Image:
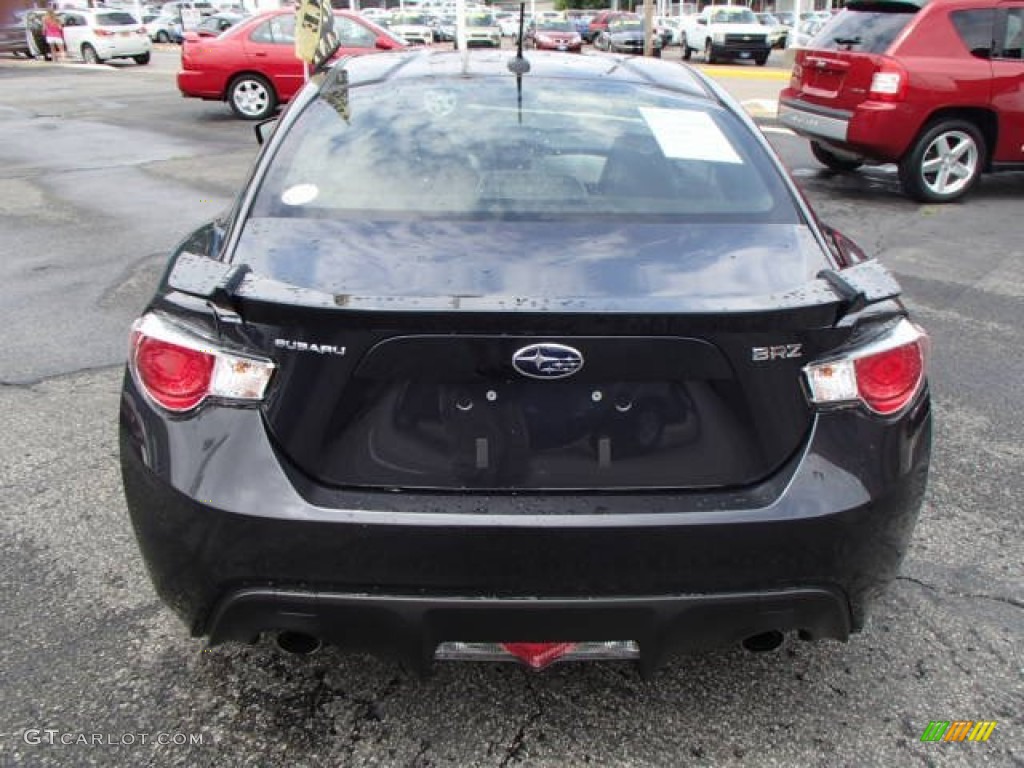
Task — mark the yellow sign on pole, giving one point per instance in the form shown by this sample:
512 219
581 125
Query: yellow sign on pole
315 39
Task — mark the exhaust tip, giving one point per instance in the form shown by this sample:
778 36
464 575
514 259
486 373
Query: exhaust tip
297 643
766 641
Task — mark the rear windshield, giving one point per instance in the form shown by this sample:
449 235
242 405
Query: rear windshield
866 28
114 19
465 148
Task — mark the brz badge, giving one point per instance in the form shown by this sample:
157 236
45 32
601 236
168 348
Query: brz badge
547 361
778 352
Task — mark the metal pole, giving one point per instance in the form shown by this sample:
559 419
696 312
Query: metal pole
648 28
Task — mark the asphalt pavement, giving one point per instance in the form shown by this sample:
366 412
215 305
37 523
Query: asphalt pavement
102 169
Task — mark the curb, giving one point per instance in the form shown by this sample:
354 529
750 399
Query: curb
744 73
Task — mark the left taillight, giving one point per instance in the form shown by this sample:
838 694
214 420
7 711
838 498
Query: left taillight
885 374
177 368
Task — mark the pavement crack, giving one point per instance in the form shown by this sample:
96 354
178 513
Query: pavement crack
953 593
28 384
516 746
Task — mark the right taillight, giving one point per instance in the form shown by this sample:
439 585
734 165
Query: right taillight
889 82
884 375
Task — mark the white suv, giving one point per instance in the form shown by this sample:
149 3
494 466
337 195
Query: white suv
95 35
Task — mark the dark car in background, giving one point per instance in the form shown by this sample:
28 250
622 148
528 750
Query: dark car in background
625 34
481 366
937 89
215 24
21 33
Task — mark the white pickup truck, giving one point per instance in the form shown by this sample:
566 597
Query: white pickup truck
726 32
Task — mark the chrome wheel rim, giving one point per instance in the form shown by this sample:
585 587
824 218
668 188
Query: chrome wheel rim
251 97
949 163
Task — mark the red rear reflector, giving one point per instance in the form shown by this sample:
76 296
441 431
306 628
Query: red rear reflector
888 380
176 377
538 655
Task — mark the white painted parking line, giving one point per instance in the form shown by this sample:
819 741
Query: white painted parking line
761 107
776 129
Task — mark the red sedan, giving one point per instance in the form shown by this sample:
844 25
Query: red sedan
253 65
554 35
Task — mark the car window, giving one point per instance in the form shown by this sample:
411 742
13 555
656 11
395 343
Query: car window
114 19
353 34
734 16
279 30
466 149
866 31
975 29
1013 35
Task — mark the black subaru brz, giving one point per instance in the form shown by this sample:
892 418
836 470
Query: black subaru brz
533 360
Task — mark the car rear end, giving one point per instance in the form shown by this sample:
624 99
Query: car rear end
861 86
525 396
118 34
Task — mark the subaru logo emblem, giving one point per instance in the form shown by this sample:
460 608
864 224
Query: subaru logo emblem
547 361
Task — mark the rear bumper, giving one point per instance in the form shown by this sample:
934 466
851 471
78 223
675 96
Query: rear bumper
740 50
411 628
877 131
117 48
201 85
237 542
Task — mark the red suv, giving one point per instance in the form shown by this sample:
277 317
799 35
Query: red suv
937 89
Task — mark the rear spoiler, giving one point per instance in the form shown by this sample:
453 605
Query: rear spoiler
886 6
850 290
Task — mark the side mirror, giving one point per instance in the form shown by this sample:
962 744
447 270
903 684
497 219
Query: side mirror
383 44
264 130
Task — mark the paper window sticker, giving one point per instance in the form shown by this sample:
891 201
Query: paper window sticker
686 134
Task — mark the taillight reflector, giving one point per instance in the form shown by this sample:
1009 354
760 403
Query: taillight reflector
178 369
889 83
884 375
176 377
886 381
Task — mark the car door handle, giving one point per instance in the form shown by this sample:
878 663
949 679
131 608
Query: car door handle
260 54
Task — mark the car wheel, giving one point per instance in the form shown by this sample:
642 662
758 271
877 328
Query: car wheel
89 55
830 160
251 97
142 58
709 53
687 50
761 60
944 163
163 37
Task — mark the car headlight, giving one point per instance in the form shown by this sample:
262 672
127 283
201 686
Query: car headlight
718 37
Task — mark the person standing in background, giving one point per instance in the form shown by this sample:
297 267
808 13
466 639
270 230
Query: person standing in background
54 36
